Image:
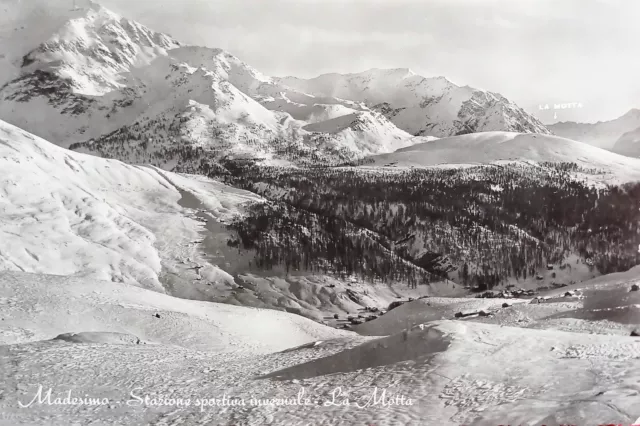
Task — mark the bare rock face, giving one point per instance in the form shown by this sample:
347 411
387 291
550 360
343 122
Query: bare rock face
635 332
635 287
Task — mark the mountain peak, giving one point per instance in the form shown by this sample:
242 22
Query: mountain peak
89 46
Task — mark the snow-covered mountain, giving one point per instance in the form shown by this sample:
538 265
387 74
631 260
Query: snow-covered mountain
628 144
86 76
63 81
603 134
490 147
267 90
97 73
184 107
423 106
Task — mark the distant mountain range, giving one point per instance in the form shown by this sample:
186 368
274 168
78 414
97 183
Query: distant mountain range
628 143
423 106
603 134
101 83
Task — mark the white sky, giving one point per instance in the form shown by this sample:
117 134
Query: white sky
531 51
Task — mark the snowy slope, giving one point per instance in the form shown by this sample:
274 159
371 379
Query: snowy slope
423 106
602 134
65 213
446 372
488 147
70 305
628 144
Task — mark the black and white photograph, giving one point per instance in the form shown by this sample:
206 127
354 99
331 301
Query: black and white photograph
319 212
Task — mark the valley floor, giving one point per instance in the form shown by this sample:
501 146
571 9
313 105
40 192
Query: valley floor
139 355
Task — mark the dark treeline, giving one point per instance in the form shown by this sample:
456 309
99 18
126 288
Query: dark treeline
307 242
491 222
281 234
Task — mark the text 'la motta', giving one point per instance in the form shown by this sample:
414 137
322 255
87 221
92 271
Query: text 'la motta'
561 106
